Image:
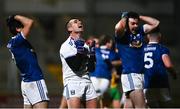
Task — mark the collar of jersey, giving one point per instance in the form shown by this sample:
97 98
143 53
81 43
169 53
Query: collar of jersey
153 42
103 47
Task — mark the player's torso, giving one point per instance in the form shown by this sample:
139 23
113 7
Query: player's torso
130 48
103 70
25 58
68 49
154 69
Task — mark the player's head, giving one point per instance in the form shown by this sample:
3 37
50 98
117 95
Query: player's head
75 28
14 25
133 22
154 35
106 40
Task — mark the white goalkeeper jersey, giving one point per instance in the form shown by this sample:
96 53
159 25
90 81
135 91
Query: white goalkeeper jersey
68 49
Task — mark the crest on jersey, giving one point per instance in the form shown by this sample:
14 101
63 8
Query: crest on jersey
72 92
135 40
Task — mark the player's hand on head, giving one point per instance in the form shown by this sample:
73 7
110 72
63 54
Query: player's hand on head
124 14
10 19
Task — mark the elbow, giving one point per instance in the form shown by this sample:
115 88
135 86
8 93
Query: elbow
157 23
31 22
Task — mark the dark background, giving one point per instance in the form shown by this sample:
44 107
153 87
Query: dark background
99 17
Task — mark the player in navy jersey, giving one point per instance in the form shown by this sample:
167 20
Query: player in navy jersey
105 59
33 87
129 35
156 64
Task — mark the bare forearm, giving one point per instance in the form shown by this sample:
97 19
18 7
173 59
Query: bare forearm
120 26
24 20
116 63
27 23
149 20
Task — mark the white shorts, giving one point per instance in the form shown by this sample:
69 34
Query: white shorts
81 89
100 84
157 95
132 81
34 92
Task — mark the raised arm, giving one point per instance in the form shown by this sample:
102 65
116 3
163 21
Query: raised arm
27 23
151 23
120 27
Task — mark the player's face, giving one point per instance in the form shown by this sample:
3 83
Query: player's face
109 44
77 29
97 42
133 25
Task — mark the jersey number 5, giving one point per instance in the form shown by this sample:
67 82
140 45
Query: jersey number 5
148 59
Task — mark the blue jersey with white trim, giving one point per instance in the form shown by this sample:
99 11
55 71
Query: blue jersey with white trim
25 58
130 50
103 69
155 74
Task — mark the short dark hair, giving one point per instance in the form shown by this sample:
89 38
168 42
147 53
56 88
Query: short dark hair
13 24
132 14
155 30
104 39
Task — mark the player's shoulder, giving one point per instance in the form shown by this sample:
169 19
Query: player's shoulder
66 44
164 49
161 46
67 47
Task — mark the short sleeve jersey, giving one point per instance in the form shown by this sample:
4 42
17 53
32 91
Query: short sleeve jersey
155 74
103 69
130 48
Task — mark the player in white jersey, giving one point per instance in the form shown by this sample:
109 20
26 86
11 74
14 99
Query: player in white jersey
77 60
33 86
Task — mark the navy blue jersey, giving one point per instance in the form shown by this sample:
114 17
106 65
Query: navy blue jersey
130 50
104 57
155 74
25 58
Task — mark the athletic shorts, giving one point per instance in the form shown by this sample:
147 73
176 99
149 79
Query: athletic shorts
81 89
101 85
34 92
132 81
157 95
115 93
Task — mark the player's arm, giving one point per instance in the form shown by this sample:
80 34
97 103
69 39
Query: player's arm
116 63
27 23
120 27
168 64
151 23
75 62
